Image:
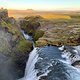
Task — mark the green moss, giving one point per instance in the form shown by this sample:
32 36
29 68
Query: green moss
33 18
30 24
38 34
11 28
76 16
24 46
41 42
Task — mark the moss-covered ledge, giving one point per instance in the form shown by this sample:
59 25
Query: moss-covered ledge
60 34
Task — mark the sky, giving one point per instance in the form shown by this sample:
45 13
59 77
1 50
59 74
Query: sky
50 5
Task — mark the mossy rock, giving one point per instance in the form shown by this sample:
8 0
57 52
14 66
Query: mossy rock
20 55
24 46
21 50
33 18
38 34
30 27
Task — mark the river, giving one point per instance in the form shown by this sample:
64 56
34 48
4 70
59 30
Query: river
51 63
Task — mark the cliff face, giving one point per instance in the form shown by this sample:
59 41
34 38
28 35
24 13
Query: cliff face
14 49
5 39
3 13
7 65
13 54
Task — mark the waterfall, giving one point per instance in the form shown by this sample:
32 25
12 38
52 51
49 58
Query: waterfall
28 37
50 63
30 72
47 64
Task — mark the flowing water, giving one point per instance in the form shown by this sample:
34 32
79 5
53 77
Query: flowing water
27 37
51 63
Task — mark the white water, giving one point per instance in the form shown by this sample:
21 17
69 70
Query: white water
67 55
78 49
27 36
30 71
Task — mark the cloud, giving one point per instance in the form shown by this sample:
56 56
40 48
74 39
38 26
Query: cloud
4 0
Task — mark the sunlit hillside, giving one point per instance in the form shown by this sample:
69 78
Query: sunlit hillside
30 12
55 16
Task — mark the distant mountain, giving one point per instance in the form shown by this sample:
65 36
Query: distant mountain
30 10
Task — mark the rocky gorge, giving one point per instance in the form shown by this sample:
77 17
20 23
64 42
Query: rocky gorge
15 49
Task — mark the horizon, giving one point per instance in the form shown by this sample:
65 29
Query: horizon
42 10
42 5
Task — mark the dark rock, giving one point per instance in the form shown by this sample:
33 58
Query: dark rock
76 63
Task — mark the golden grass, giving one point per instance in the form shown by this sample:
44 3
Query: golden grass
56 16
24 13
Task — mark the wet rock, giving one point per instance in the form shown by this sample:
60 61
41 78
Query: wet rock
72 55
76 63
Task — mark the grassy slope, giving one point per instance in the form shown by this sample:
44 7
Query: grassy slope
60 32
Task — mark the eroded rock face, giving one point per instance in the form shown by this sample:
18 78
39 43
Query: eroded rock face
5 39
7 65
3 13
13 54
12 44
